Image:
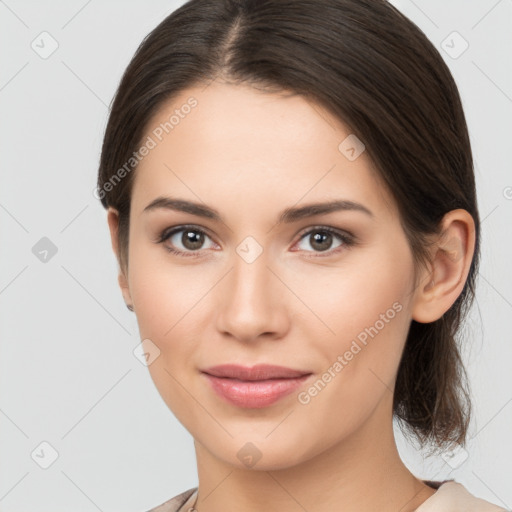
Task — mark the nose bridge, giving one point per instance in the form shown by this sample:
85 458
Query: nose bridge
250 277
252 303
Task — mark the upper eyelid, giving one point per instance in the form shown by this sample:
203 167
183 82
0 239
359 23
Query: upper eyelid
182 227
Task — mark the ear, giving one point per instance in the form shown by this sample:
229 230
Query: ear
113 224
452 253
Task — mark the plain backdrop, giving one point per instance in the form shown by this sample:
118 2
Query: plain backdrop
82 426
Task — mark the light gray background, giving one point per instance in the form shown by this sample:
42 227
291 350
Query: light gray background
67 372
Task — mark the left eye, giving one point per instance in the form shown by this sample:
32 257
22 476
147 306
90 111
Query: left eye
321 239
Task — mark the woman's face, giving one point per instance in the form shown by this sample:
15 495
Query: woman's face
255 286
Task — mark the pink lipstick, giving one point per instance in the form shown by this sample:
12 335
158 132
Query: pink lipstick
254 387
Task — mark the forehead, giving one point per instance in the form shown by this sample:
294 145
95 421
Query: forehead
223 142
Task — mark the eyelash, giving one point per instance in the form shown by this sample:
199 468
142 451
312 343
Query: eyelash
347 238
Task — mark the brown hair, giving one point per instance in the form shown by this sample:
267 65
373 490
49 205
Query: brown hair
379 74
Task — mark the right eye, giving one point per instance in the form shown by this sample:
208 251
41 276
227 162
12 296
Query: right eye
185 240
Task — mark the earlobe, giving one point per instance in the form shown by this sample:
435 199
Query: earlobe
125 290
113 224
451 256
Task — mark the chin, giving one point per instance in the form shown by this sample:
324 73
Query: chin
249 452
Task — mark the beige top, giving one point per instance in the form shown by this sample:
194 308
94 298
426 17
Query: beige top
450 496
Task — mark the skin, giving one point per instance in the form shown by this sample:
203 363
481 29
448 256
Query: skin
249 155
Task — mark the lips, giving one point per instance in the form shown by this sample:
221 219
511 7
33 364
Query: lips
258 372
254 387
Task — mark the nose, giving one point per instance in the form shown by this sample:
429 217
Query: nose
252 301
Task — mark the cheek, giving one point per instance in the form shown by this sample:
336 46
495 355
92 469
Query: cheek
169 301
161 304
362 318
366 293
359 361
164 293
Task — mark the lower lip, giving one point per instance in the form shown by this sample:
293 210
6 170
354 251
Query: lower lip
254 394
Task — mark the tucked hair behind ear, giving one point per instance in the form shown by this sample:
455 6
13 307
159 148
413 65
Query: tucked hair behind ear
379 74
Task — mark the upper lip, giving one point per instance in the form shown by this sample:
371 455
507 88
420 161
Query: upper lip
257 372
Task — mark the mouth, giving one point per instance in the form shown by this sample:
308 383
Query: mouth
254 387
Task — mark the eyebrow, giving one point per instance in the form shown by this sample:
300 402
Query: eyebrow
288 215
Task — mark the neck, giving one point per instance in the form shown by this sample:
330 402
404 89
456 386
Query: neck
364 472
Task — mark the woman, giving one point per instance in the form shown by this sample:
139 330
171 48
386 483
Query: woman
292 203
